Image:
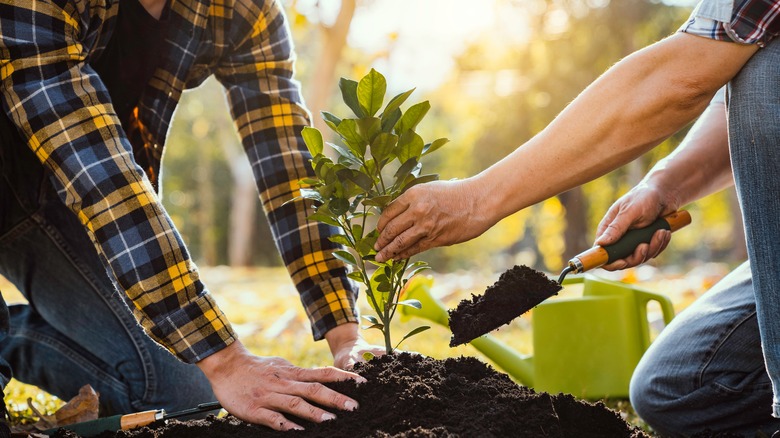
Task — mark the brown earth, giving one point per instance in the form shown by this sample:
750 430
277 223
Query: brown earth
411 395
517 291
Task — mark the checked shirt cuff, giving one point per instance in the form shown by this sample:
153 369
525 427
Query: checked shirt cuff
193 332
330 304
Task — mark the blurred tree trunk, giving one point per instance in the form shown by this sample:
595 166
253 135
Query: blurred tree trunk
334 39
576 234
207 209
243 205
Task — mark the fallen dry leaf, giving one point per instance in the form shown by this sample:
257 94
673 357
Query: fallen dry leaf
83 407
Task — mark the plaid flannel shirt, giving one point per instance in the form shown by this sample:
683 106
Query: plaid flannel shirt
740 21
108 177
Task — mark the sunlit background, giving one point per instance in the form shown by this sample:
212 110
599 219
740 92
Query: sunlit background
496 72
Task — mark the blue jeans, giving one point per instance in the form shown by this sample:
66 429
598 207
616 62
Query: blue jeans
77 328
707 368
754 127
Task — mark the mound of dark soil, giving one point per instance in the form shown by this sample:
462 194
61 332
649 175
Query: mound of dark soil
415 396
517 291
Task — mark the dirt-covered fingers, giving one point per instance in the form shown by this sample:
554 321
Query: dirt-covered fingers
273 419
404 245
321 395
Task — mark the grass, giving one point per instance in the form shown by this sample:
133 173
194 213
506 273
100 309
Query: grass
265 311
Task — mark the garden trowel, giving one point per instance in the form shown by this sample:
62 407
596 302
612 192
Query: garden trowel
130 421
521 288
603 255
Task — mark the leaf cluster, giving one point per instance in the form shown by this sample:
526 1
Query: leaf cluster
378 157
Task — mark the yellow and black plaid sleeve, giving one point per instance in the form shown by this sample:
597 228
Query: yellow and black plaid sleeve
63 110
268 110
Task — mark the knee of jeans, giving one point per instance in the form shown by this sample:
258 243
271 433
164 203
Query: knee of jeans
182 389
651 397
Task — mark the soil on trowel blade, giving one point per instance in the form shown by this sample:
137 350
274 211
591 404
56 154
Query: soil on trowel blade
517 291
411 395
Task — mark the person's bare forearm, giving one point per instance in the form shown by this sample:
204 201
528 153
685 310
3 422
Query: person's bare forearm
700 166
635 105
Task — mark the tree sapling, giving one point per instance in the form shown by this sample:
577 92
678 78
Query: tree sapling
379 158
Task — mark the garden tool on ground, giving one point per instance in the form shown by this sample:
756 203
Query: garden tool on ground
130 421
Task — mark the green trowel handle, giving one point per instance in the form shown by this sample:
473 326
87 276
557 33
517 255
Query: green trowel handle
633 238
602 255
92 428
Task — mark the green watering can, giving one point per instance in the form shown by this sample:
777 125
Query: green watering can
586 346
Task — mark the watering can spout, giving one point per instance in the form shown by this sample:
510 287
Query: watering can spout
517 365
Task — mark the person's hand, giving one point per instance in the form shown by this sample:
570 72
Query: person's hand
437 213
261 389
347 346
638 208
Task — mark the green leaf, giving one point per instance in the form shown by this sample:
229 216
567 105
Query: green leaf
349 94
396 103
378 201
410 145
367 355
339 206
412 117
411 303
343 152
331 120
380 327
357 231
313 139
421 180
362 180
365 248
309 181
369 128
371 92
348 130
431 147
416 331
388 122
324 218
382 146
345 256
311 194
357 276
405 169
371 318
340 239
416 271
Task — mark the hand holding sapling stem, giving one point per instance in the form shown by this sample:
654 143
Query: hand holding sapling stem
378 160
348 347
439 213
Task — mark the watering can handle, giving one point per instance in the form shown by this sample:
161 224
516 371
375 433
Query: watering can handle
643 298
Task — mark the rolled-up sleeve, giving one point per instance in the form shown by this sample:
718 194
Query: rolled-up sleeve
268 109
739 21
62 109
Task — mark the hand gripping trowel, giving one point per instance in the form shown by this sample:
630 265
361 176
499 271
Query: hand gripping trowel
521 288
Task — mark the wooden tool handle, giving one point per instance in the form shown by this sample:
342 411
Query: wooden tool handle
599 256
131 421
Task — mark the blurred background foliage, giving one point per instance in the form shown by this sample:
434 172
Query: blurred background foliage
496 73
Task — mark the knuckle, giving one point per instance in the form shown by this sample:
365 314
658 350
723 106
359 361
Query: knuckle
293 403
313 389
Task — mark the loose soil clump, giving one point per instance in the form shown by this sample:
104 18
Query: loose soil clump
517 291
414 396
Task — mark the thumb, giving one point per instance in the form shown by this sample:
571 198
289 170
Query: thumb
611 229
